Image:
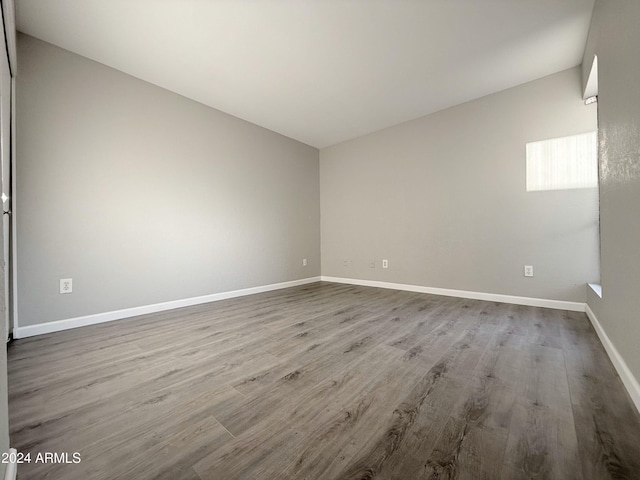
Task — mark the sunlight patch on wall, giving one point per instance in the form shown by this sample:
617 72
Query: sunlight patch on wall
563 163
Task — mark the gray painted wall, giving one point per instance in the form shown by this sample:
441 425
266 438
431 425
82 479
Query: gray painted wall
443 199
143 196
615 36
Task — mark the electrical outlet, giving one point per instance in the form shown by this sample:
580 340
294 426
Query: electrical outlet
385 263
346 262
528 270
304 262
66 285
372 264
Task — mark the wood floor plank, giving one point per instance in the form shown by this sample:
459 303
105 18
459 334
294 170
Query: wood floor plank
465 451
338 407
326 381
606 421
540 445
543 381
413 429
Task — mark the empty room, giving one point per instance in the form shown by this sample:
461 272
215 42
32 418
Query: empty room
306 239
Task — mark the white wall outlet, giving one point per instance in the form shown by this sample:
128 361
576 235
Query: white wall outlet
528 270
304 262
66 285
385 263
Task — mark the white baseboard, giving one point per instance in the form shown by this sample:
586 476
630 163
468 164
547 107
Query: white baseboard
491 297
66 324
630 382
12 467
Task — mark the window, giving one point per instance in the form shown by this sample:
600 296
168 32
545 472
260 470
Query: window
563 163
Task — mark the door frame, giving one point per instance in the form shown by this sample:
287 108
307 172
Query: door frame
10 40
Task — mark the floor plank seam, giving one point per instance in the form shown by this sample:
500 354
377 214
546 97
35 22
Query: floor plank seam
227 430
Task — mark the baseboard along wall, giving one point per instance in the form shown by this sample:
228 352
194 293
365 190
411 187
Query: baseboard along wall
69 323
628 379
490 297
66 324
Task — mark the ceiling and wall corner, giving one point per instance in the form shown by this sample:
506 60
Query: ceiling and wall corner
144 197
444 199
321 72
363 64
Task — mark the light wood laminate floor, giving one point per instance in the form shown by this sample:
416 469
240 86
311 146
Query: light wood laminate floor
326 381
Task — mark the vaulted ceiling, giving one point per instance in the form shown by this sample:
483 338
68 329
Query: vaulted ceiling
321 71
